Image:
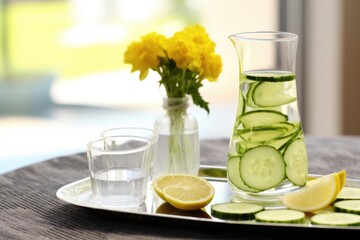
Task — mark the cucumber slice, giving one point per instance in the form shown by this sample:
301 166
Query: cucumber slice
241 105
274 94
336 219
261 118
242 146
280 143
262 167
288 127
249 99
235 146
284 144
348 206
261 135
280 216
236 211
296 162
234 175
348 193
274 76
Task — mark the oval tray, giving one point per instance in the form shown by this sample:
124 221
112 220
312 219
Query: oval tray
79 193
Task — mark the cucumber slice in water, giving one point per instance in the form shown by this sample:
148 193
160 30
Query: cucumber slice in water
261 135
264 134
234 175
284 141
262 168
280 143
262 117
289 127
278 135
280 216
249 99
240 110
348 206
336 219
273 94
242 146
274 76
241 105
236 211
296 162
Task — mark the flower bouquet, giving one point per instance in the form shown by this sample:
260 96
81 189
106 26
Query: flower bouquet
183 61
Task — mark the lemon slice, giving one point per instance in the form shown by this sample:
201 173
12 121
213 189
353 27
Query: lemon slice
317 195
183 191
166 180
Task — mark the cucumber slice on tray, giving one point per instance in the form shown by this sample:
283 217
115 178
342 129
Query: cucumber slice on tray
236 211
348 206
348 193
336 219
262 167
280 216
296 162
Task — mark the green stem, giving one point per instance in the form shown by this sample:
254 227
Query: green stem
177 151
184 80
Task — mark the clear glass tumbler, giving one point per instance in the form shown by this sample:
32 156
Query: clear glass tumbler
120 167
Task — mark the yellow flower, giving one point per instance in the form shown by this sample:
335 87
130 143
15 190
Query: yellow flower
145 54
184 53
212 67
182 61
188 48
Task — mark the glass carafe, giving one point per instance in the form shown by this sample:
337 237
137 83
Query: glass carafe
267 153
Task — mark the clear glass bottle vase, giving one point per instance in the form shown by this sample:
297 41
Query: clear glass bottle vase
178 148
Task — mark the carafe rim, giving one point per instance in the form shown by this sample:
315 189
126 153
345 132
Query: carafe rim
265 36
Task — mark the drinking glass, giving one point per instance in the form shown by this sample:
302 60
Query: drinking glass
120 167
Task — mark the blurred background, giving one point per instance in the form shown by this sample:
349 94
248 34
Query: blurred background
63 80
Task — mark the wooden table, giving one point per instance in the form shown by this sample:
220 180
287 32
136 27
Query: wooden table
29 208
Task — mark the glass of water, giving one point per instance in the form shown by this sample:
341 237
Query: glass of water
120 166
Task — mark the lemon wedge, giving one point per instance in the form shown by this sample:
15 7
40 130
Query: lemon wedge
316 195
342 178
183 191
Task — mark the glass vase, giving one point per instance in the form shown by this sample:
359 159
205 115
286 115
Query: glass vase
178 148
267 154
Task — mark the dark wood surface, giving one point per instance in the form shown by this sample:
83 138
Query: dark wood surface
29 208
